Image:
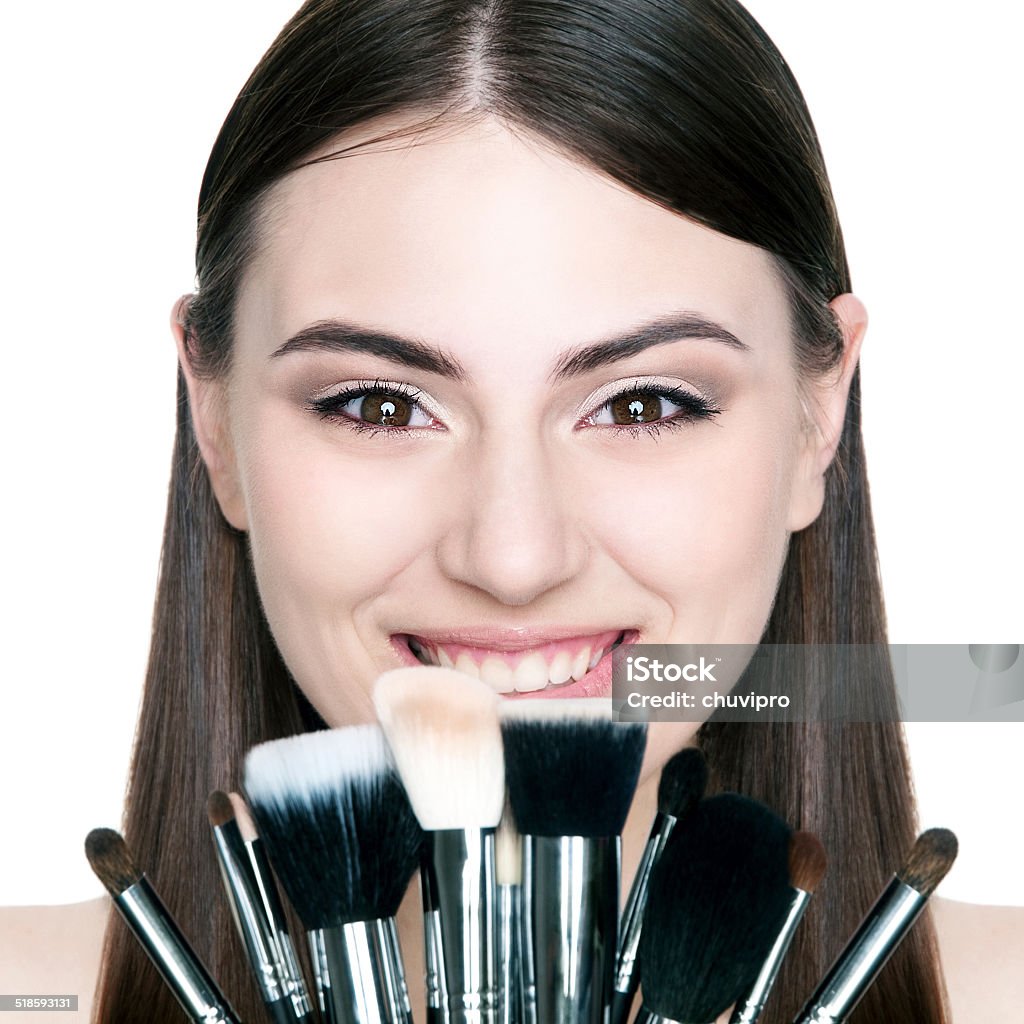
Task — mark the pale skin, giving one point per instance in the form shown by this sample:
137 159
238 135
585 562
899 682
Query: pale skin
506 255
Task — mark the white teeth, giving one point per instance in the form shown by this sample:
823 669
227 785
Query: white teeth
579 665
444 659
598 655
531 674
561 668
498 675
464 663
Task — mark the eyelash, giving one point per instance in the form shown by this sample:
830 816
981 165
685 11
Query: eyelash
692 407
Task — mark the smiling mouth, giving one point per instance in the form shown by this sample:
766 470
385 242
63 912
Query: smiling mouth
557 664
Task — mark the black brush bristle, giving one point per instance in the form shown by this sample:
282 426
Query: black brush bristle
336 823
570 776
718 896
682 783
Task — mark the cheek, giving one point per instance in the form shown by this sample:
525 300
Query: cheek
706 529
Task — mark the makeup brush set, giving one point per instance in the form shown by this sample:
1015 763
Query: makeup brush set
512 813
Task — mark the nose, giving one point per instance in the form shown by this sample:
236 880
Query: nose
514 532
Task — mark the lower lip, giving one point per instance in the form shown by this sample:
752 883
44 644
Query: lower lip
596 683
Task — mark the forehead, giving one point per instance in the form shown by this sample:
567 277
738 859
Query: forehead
482 232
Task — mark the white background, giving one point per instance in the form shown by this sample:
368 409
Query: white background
109 111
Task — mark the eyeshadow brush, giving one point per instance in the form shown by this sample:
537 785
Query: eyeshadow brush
442 726
156 931
344 844
718 897
509 873
571 774
681 785
882 930
807 864
257 912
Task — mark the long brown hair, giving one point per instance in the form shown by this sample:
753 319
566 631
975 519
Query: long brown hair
688 103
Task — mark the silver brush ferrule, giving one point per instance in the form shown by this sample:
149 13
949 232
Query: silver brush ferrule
627 977
570 919
645 1016
181 969
358 978
750 1008
510 979
458 876
881 931
268 947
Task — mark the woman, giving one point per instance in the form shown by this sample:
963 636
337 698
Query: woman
519 331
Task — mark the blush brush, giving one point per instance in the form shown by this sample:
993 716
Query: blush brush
882 930
681 785
571 774
156 931
257 912
807 864
443 729
344 843
717 900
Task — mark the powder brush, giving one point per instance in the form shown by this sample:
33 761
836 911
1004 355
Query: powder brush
718 897
442 726
344 843
571 772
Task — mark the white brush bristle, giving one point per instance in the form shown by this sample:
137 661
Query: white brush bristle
540 709
312 764
443 730
508 851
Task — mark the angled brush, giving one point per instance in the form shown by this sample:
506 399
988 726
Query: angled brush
883 929
718 897
807 864
257 912
571 775
681 785
442 726
157 932
344 843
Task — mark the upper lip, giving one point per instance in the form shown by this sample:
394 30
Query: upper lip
497 638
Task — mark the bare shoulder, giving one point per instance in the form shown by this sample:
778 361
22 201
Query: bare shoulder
52 950
982 949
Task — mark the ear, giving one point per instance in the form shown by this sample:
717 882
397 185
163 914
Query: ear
207 398
824 401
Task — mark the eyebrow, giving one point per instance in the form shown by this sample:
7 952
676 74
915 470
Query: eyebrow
336 335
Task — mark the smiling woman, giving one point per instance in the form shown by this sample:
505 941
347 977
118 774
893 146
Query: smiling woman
522 331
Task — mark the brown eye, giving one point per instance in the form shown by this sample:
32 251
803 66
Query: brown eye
635 407
385 409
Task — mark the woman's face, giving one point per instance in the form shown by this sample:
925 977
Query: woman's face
452 417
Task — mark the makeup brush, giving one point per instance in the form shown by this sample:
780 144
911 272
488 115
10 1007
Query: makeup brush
158 934
807 864
681 785
717 899
571 774
344 844
442 726
882 930
257 912
509 871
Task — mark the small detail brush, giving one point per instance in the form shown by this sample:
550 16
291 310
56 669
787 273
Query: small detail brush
442 726
882 930
158 934
681 785
571 773
807 864
257 912
344 844
509 870
717 899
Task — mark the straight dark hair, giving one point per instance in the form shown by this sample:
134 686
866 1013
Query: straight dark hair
687 103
